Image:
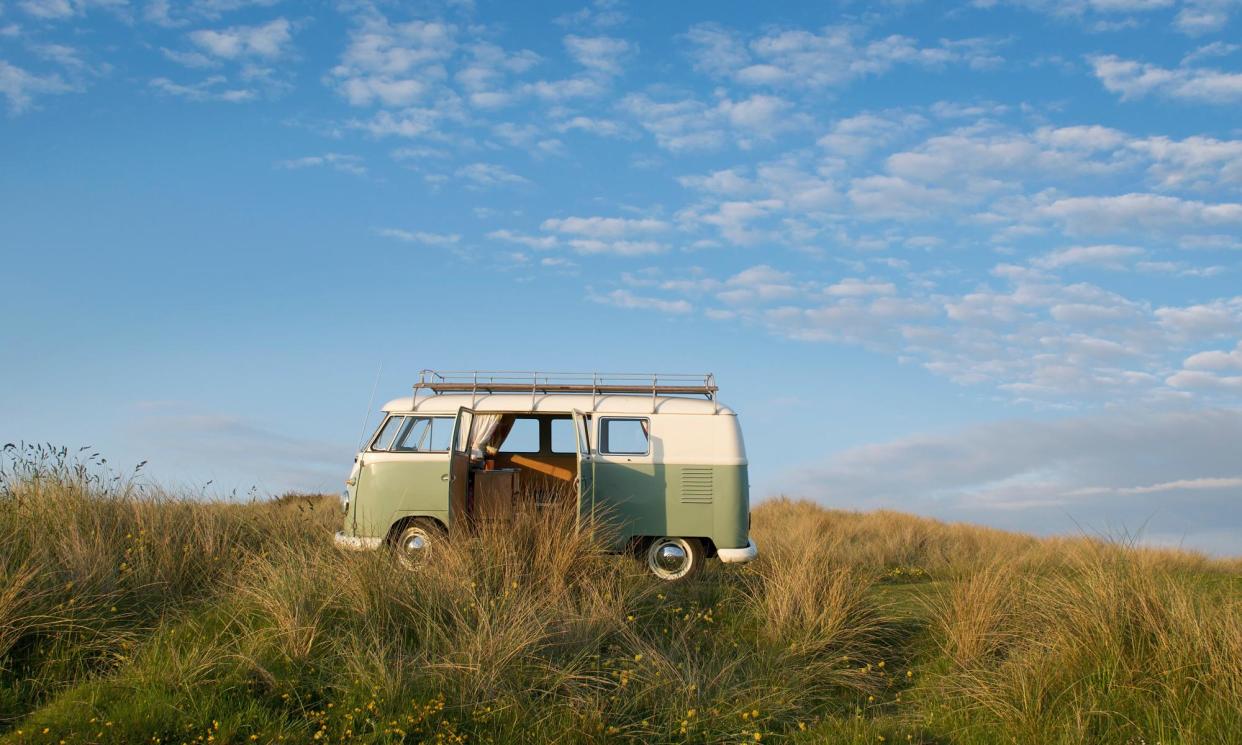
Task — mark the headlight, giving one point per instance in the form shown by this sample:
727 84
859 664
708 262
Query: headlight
345 501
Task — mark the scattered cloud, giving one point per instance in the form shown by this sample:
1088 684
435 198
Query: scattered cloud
351 164
419 236
610 235
831 57
1133 80
489 175
1104 256
267 41
628 300
20 88
601 54
214 88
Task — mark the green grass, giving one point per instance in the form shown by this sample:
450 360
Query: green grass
130 615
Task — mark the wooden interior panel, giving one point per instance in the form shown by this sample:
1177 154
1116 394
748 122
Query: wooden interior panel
560 467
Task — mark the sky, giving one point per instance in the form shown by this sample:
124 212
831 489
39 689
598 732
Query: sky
974 260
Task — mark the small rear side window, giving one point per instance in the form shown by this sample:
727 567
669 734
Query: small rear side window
624 436
387 433
563 437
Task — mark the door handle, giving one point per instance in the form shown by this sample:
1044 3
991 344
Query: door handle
444 477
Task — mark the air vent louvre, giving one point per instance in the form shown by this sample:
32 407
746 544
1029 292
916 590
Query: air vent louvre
696 485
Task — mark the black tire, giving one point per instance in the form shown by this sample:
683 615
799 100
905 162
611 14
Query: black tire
675 559
414 541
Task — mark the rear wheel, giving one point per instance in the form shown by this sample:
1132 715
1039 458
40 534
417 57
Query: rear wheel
675 559
416 541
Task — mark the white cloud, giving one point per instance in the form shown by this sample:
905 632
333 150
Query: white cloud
214 88
393 64
1196 379
628 300
196 60
1198 163
1217 318
893 197
1134 80
1107 256
1140 212
20 88
600 54
268 41
678 126
1204 16
490 175
595 126
538 242
831 57
55 10
419 236
166 13
486 77
612 235
605 228
854 287
351 164
858 135
1216 360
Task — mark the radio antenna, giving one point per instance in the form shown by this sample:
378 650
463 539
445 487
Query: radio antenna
366 415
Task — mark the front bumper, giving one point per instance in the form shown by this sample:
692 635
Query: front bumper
738 555
354 543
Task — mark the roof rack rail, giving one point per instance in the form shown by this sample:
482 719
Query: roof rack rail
597 384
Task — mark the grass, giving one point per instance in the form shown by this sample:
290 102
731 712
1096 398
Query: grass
131 615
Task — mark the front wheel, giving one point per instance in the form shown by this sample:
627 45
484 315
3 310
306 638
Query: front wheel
416 541
676 559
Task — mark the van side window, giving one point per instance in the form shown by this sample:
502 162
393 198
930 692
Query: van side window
523 437
623 436
426 434
563 437
387 433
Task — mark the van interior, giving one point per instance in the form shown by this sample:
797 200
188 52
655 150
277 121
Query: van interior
519 461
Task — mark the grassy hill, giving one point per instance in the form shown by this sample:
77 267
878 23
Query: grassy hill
131 615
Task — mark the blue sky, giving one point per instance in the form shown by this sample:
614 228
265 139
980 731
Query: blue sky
976 260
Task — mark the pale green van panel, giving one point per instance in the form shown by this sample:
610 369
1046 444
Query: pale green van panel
693 501
391 489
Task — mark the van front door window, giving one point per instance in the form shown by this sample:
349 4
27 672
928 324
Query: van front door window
623 436
426 434
388 433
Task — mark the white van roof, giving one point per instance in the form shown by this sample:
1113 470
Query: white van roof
559 403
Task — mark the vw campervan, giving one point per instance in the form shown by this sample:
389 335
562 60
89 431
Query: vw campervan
658 456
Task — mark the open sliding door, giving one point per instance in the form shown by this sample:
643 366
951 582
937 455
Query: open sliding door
459 468
585 470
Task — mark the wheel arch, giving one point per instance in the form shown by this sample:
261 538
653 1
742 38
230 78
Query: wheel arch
405 521
638 544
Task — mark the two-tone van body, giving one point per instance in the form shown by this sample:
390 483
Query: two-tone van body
665 468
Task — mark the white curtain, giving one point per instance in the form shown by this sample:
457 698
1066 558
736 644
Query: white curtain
484 427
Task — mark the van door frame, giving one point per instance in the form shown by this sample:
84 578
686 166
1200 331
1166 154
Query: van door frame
459 469
586 468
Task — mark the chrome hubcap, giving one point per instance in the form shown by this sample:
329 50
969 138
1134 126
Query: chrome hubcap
669 558
415 545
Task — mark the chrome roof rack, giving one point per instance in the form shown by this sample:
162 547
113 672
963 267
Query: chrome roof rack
597 384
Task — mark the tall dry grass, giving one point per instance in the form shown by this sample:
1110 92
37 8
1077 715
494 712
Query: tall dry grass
127 613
